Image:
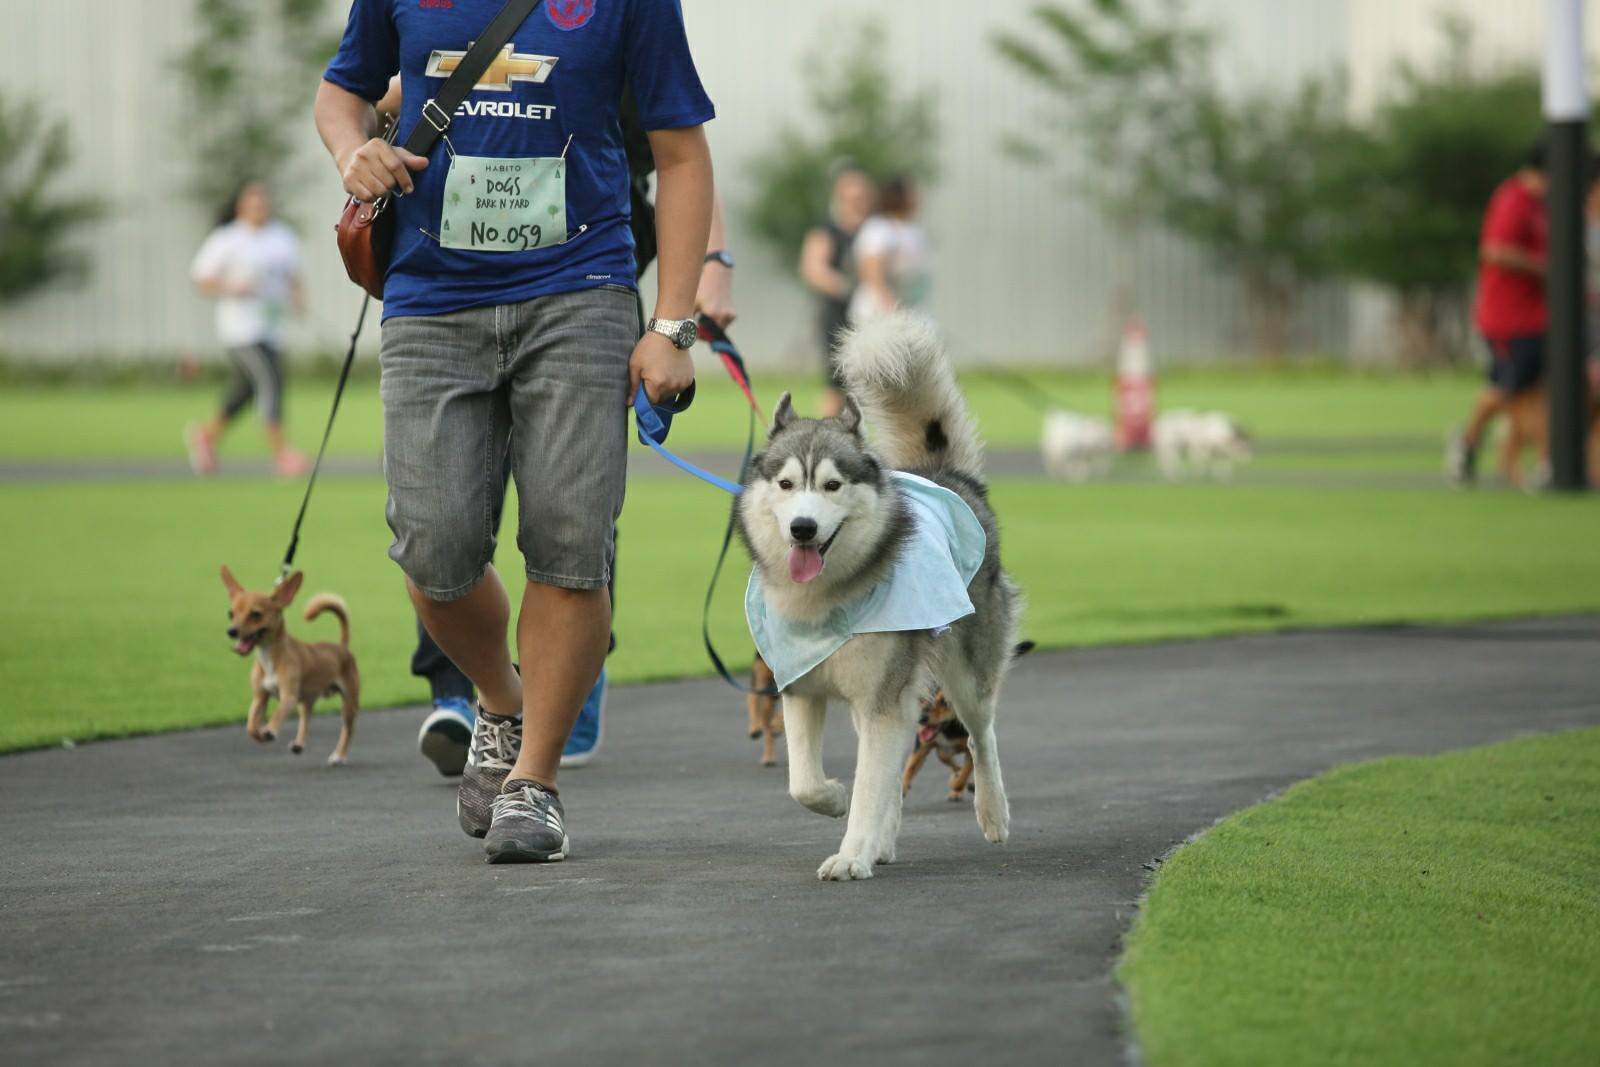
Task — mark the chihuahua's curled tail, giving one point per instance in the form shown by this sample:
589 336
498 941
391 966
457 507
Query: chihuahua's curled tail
329 602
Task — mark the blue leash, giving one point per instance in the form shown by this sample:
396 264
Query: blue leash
653 422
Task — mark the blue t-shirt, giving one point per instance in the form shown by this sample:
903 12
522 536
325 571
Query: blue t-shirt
569 62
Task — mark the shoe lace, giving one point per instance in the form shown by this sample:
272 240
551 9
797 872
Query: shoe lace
494 743
530 802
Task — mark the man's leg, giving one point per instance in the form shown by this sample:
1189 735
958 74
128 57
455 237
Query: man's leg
471 630
562 636
568 388
1461 453
1491 401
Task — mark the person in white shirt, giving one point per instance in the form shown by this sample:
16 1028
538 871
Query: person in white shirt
251 265
893 261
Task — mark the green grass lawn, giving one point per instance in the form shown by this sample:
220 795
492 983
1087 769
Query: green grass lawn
113 620
1408 911
66 424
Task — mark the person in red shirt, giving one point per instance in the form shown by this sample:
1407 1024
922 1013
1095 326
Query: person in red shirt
1510 309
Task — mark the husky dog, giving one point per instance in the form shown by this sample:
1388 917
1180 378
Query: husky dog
829 526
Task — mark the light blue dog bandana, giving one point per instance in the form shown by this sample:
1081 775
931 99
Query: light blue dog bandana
927 590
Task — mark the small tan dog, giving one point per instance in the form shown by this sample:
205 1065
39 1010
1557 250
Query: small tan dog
297 673
940 732
766 718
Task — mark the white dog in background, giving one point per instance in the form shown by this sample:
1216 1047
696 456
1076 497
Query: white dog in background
1206 444
1076 447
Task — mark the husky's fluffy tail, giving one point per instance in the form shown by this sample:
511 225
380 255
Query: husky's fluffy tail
329 602
898 372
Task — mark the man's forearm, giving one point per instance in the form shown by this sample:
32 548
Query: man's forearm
717 236
1512 258
344 121
683 217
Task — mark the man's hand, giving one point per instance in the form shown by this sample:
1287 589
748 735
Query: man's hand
714 298
376 168
665 369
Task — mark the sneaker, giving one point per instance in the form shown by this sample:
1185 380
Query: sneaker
446 733
528 826
290 464
584 740
202 448
495 743
1460 460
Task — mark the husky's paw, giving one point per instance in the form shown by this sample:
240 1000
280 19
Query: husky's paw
337 760
842 868
995 819
886 852
831 799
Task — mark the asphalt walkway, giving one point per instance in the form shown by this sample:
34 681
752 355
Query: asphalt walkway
1311 458
195 898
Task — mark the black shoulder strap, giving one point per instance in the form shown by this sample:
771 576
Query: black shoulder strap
436 113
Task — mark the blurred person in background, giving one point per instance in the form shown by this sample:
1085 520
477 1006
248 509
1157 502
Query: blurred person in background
1510 312
827 267
893 259
250 264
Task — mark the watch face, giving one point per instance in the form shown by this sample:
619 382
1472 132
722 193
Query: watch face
686 334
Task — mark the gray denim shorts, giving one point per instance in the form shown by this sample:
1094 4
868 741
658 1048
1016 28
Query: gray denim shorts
546 379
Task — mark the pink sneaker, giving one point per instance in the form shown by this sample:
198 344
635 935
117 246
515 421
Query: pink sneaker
202 448
290 464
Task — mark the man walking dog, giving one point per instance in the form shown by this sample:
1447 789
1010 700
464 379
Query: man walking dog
537 344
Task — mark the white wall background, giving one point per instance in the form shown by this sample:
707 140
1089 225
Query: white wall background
1022 269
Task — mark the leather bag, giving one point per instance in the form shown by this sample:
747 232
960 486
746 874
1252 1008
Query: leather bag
366 231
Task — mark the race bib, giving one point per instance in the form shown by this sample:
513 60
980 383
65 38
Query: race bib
504 205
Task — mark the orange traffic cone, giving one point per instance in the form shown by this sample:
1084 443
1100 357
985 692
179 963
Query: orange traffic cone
1135 389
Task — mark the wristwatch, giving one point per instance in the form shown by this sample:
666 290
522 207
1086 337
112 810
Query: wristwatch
681 332
722 256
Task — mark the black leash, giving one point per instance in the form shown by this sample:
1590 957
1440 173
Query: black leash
338 393
724 347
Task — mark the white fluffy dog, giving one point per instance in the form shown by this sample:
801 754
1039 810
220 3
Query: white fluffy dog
1076 447
1203 443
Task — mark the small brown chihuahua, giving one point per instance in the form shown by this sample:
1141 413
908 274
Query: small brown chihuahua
939 731
766 717
296 672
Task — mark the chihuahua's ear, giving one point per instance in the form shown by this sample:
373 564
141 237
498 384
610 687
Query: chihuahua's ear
232 583
286 590
784 414
849 417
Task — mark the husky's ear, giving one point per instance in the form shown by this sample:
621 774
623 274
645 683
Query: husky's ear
849 417
284 594
784 414
232 583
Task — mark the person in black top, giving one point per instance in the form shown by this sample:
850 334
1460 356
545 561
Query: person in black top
828 270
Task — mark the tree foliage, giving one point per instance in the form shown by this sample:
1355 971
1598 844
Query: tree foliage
1144 127
1429 158
249 75
37 219
1118 72
859 118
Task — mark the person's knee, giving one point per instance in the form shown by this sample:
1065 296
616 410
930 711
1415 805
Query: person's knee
441 563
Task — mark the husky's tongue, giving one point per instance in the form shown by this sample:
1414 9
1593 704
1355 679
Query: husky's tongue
805 563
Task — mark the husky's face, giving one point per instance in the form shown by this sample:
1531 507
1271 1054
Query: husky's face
813 489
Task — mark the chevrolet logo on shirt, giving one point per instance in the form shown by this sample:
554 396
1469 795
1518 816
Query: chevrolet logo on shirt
507 67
